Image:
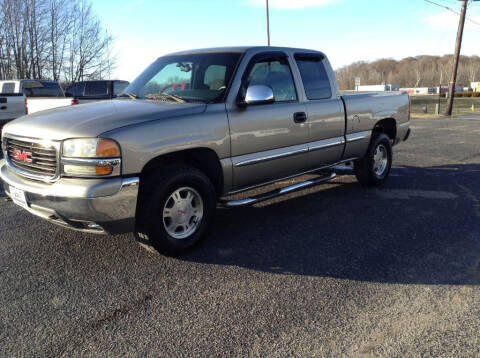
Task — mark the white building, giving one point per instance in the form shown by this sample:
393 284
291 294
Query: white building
378 88
422 91
475 86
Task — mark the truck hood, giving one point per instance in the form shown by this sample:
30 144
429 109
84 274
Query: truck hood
93 119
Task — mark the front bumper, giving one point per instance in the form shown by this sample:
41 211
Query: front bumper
90 205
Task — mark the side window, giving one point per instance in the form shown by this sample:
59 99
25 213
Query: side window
314 77
215 77
75 90
8 87
119 87
276 74
96 88
42 89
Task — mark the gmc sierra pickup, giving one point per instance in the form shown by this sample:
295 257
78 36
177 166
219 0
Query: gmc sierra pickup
159 159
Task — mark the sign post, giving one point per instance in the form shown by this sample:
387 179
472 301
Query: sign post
357 83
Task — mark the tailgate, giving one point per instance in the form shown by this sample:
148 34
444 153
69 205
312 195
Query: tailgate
42 104
11 107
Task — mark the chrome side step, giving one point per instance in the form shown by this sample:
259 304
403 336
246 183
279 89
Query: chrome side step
277 192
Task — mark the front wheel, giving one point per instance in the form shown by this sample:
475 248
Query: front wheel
178 207
374 168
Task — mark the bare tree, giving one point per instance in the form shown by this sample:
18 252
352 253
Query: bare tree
88 51
58 39
423 71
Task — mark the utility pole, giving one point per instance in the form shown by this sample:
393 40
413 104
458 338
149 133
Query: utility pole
453 81
268 24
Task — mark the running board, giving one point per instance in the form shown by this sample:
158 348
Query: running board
277 192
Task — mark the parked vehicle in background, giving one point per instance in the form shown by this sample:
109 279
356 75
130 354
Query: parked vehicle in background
20 97
90 91
158 163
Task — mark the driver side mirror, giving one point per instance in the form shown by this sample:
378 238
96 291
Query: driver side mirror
259 94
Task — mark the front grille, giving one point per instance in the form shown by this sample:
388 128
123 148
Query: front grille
43 164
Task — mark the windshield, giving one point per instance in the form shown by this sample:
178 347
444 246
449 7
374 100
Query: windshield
186 78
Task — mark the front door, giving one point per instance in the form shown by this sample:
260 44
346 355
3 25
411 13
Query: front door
268 141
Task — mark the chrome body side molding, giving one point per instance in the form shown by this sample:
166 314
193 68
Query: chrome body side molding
326 143
271 157
353 137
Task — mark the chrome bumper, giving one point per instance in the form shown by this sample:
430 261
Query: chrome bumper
91 205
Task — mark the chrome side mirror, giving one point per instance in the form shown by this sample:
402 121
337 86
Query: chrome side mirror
259 94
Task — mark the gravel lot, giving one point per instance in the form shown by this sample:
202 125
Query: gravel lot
334 271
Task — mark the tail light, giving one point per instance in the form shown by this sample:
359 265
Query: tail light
409 107
26 106
74 102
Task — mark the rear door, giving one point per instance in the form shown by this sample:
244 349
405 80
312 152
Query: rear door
266 141
326 117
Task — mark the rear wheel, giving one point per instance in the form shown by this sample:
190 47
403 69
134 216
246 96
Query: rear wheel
374 168
177 209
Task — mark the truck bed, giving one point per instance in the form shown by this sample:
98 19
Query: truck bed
363 110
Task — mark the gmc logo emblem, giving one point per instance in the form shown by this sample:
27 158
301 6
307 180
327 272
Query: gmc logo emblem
22 155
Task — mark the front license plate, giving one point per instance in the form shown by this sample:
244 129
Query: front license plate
18 197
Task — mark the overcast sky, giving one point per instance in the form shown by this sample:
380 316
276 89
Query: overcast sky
346 30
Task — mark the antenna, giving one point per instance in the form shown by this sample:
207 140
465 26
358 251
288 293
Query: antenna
268 23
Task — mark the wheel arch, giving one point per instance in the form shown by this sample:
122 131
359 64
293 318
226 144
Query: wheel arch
387 126
203 159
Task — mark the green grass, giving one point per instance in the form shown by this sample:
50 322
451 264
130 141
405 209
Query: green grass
461 105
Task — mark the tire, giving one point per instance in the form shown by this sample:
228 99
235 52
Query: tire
374 168
177 208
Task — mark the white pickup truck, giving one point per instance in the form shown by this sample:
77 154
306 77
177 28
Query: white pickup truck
20 97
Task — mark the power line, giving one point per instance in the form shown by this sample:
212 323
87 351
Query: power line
452 10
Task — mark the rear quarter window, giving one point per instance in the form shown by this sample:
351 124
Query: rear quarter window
315 78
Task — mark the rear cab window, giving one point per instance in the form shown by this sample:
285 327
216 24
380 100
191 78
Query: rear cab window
33 89
314 76
215 77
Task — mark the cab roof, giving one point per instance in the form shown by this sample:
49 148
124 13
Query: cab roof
244 49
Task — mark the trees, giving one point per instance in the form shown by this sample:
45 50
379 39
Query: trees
419 71
55 39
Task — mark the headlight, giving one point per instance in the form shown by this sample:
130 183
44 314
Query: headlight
91 157
90 148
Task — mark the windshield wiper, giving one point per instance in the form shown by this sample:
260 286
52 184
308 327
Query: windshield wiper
166 96
130 95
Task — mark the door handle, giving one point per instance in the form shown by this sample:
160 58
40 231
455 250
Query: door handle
299 117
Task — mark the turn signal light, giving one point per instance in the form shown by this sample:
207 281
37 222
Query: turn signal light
103 170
